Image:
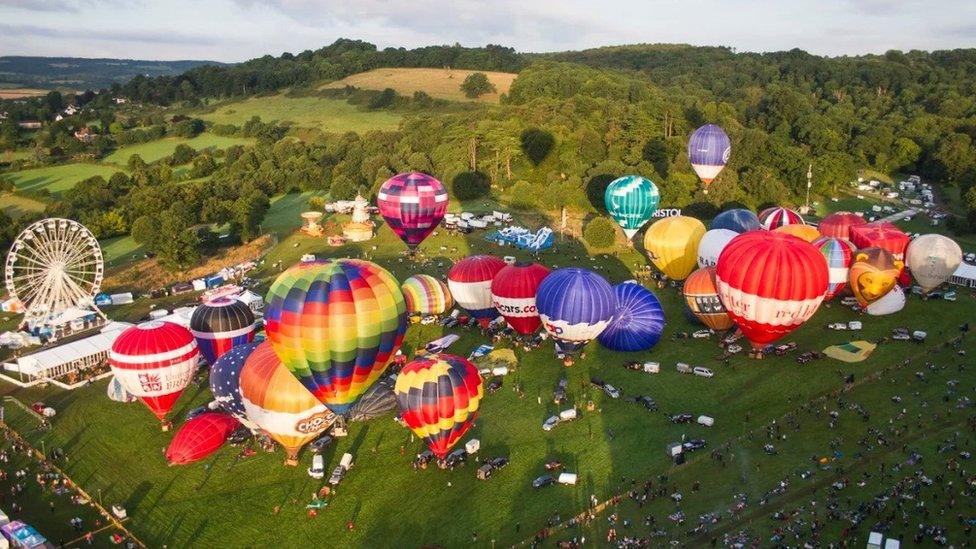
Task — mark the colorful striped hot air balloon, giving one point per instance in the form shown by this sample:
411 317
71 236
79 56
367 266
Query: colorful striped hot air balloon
638 323
771 218
932 259
838 225
881 235
200 437
336 324
277 403
438 397
839 254
221 324
803 232
513 293
575 305
672 244
701 295
470 284
709 149
770 284
738 219
712 244
426 295
631 201
225 381
412 205
874 272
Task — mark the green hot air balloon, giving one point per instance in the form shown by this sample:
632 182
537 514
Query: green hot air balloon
631 201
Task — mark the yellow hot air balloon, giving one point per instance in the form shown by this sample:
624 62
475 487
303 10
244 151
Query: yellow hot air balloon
806 232
873 274
672 244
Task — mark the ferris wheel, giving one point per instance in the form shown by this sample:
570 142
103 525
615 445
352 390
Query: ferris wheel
54 264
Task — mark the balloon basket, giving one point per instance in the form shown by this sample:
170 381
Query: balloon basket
756 354
291 462
165 426
568 362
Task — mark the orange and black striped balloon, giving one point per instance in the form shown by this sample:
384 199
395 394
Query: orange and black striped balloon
438 396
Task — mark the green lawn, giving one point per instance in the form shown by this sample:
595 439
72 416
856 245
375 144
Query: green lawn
283 216
330 115
120 250
154 150
10 156
57 179
16 206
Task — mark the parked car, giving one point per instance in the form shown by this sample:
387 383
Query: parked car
550 423
494 385
693 444
337 475
807 357
611 391
647 402
702 334
317 470
320 444
597 381
498 462
38 407
559 394
544 480
784 348
455 458
554 465
684 368
703 372
428 319
949 296
681 418
423 458
239 436
733 349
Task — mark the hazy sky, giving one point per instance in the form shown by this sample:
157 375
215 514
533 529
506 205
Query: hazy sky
235 30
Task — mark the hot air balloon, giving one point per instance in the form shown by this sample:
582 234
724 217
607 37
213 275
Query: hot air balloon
933 258
575 306
638 323
412 205
838 225
426 295
470 284
701 296
513 295
438 398
336 324
803 232
378 400
770 284
839 254
712 244
225 381
200 437
891 303
881 235
770 218
873 274
117 393
672 244
738 219
220 324
631 200
708 151
155 361
277 403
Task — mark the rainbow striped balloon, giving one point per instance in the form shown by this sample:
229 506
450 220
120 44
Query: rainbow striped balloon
426 295
335 324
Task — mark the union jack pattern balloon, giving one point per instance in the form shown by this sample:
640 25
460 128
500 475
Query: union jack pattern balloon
575 306
155 361
225 381
438 397
513 293
839 254
412 205
638 323
709 149
200 437
470 283
770 284
838 225
771 218
221 324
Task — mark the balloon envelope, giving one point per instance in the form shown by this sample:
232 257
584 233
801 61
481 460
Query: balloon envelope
631 200
638 323
672 244
712 244
470 284
881 235
701 296
200 437
336 324
932 259
873 274
838 225
426 295
117 393
709 149
225 381
412 205
575 306
220 324
804 232
839 254
771 218
438 397
513 294
738 219
892 302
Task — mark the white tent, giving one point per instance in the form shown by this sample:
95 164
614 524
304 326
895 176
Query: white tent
180 315
965 275
252 300
60 360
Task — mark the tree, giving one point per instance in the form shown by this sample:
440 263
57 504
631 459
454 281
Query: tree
178 247
476 85
248 212
316 203
600 232
145 231
182 154
522 195
384 100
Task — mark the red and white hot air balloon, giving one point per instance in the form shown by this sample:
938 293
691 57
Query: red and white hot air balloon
155 361
838 225
771 218
513 294
770 284
470 283
839 254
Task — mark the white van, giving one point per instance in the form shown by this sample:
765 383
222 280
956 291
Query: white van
317 470
703 372
346 461
652 367
567 415
854 325
707 421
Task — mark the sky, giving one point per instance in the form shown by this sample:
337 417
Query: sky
236 30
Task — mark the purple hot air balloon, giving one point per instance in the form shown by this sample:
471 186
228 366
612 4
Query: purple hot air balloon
575 306
412 205
708 151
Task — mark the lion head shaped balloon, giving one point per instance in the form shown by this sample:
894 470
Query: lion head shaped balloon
873 274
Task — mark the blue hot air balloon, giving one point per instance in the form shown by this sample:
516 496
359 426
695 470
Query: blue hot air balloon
575 306
638 322
225 377
739 220
708 151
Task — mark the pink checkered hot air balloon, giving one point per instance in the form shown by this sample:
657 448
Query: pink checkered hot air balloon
412 205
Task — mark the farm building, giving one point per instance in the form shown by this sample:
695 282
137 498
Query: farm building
965 275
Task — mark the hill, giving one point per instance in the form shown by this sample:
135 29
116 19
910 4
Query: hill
81 73
438 83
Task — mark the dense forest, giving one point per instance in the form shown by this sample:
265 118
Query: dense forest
80 73
570 123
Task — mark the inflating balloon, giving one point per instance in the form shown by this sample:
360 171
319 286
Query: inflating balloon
672 244
200 437
470 284
932 259
117 393
771 218
221 324
881 235
838 225
839 254
336 324
770 284
513 294
873 274
738 219
804 232
438 397
892 302
225 381
575 306
412 205
631 200
638 322
426 295
712 244
701 296
709 149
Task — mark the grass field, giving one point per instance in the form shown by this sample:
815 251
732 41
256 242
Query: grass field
56 179
16 206
154 150
438 83
120 250
21 93
329 115
10 156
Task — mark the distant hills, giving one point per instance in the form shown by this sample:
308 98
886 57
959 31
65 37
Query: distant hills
79 73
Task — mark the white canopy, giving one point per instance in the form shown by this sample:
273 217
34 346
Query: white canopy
37 364
965 275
